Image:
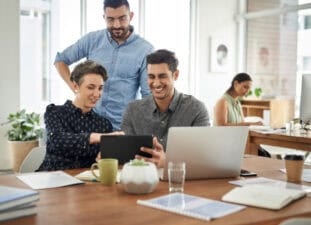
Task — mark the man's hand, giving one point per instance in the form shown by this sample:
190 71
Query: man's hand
158 154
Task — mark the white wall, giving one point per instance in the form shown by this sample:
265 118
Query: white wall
216 22
9 64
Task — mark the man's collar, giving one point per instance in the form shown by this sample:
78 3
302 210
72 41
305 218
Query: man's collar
173 104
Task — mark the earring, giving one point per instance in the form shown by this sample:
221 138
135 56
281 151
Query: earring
76 91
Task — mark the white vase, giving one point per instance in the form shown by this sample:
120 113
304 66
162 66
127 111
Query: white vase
140 179
19 150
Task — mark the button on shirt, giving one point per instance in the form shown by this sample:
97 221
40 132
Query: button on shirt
68 133
142 117
125 64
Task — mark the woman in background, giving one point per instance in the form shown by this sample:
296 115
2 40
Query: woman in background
228 110
74 129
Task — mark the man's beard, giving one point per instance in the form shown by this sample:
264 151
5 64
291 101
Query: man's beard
122 33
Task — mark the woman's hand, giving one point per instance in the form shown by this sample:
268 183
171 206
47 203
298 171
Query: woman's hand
95 137
158 154
116 133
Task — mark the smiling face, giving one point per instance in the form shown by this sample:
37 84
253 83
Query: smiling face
161 81
242 88
118 22
89 91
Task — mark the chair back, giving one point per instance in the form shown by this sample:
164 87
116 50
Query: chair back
33 160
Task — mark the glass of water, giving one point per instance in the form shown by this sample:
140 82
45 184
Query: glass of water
176 176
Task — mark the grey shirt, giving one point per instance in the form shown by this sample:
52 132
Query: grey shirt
142 117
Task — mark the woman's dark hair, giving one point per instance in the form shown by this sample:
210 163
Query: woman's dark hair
85 68
240 77
116 4
163 56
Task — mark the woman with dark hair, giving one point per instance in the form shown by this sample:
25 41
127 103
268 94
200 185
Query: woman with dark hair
74 129
228 110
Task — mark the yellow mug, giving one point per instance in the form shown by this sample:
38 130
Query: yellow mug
108 169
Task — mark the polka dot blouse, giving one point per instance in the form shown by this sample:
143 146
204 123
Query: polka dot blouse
68 133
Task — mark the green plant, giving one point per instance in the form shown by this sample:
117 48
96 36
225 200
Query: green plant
138 162
257 92
24 126
249 93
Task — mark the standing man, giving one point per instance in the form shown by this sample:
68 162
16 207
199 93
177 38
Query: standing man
121 52
166 108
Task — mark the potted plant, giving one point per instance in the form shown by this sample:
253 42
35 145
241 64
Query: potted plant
139 177
23 135
257 92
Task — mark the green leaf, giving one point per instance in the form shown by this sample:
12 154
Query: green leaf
258 92
250 92
24 126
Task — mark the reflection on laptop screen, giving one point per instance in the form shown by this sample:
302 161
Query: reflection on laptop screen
209 152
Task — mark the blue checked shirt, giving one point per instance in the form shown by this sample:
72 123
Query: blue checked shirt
125 64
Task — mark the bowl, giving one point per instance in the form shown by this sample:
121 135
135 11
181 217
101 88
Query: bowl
139 178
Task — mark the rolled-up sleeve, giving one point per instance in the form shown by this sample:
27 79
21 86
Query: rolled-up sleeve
74 52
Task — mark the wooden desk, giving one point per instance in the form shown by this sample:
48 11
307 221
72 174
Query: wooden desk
281 110
293 140
93 203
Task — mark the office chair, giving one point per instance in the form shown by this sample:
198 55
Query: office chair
33 160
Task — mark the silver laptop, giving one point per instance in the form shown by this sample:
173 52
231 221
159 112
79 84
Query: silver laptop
209 152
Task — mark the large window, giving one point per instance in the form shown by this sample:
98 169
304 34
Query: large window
35 24
272 51
278 47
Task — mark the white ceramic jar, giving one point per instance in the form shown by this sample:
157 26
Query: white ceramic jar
139 177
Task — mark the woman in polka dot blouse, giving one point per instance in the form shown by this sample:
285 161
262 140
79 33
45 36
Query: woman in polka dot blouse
74 129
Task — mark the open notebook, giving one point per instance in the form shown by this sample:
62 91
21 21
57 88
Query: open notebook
263 196
192 206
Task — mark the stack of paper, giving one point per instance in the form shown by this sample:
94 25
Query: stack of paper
43 180
17 202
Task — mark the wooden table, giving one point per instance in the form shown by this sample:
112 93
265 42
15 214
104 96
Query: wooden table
292 140
94 203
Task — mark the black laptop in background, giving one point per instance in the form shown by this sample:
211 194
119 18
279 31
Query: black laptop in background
124 147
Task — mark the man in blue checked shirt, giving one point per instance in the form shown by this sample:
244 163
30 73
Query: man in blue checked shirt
121 52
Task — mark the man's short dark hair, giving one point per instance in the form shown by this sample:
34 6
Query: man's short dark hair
163 56
116 3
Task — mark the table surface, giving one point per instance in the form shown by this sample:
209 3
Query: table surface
94 203
294 140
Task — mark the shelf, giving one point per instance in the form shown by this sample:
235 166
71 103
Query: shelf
281 111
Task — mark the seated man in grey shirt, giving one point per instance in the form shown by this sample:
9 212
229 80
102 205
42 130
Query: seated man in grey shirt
154 115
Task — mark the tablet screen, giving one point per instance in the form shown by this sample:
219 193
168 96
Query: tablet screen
124 147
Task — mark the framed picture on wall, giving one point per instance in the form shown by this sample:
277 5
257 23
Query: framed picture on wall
219 54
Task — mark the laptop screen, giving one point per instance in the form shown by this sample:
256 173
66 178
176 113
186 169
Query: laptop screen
209 152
